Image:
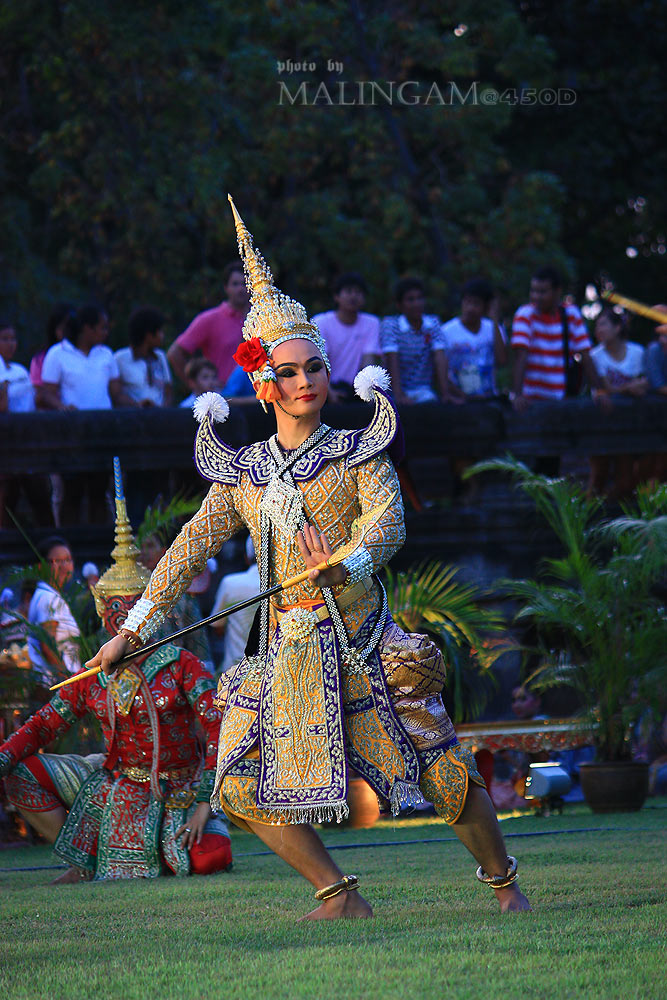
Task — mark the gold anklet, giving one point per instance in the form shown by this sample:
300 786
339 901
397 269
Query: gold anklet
346 884
500 881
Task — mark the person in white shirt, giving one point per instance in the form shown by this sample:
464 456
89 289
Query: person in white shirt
474 344
16 392
236 587
620 364
143 368
50 611
56 329
80 373
17 396
352 337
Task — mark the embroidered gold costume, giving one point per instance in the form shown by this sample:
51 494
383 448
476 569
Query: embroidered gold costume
332 682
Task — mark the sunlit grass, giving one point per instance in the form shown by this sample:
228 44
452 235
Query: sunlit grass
599 905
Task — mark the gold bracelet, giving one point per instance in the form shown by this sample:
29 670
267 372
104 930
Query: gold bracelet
347 884
131 637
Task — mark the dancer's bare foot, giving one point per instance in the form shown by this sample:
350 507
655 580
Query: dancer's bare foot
512 900
345 904
71 877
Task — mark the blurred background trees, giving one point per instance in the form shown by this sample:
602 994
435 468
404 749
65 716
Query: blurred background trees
124 125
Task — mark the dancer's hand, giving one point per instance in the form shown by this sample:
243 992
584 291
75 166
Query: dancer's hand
193 829
315 548
108 655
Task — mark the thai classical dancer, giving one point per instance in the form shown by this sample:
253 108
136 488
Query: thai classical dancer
330 685
143 807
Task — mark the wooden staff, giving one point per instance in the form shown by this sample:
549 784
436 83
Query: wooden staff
360 529
657 315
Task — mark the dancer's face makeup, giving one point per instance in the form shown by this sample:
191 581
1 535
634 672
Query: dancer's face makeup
302 376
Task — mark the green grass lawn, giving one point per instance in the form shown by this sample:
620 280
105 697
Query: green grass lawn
598 928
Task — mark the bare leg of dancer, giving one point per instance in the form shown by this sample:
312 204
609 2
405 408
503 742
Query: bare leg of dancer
46 824
479 831
303 850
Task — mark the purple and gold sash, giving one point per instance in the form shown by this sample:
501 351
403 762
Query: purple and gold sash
306 713
303 772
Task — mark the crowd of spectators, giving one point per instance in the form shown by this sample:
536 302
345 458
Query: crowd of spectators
546 344
545 352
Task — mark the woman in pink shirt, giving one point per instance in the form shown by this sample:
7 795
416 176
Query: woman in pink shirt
352 337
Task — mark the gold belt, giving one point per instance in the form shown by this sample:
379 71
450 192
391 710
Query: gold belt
348 597
142 774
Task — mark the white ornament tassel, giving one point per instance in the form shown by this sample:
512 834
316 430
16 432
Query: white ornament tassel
405 795
213 405
369 378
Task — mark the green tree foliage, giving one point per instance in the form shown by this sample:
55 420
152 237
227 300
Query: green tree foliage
608 150
125 124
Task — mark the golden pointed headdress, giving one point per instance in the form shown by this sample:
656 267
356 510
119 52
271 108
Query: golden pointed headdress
273 317
126 577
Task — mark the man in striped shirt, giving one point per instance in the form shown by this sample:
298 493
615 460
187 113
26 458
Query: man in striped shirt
537 343
414 348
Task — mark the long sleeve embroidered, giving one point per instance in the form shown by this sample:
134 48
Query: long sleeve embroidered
376 482
199 539
199 688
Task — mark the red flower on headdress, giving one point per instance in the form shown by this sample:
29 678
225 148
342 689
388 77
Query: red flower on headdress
250 355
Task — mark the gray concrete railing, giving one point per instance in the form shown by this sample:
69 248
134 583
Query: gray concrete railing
148 439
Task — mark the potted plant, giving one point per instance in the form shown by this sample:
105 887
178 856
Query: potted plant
599 615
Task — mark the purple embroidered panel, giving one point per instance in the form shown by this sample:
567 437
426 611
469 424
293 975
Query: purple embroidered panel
217 462
302 762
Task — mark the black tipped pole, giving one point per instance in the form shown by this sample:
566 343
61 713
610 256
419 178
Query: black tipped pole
144 650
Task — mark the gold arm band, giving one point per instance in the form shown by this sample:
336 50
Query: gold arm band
347 884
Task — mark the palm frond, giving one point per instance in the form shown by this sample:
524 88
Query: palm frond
651 501
564 506
160 519
598 611
428 598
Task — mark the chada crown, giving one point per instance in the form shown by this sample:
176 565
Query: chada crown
273 317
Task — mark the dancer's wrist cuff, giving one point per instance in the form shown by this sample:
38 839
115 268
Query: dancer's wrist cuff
131 637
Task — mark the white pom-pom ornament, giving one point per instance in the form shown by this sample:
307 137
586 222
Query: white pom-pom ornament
211 404
369 378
